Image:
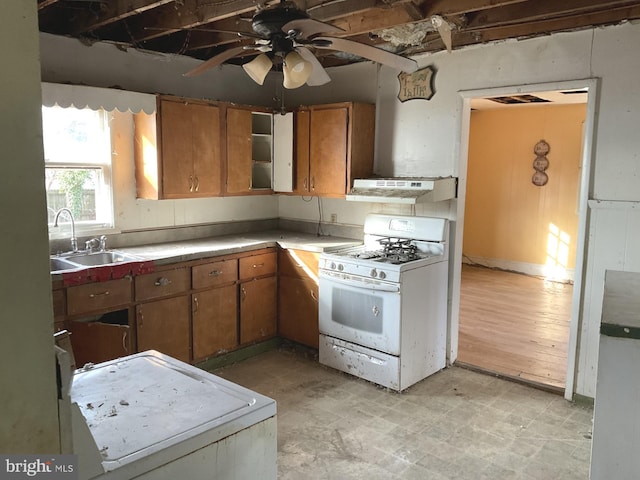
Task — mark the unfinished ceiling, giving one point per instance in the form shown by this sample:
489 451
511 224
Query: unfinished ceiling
204 28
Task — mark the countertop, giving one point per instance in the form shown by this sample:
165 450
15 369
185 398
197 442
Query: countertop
181 251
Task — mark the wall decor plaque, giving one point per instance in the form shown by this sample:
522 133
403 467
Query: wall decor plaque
541 163
417 85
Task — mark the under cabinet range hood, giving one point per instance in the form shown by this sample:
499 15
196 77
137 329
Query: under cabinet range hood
407 190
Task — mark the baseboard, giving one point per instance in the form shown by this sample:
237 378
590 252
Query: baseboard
533 269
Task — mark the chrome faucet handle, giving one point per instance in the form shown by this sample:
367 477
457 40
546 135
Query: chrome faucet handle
90 244
103 243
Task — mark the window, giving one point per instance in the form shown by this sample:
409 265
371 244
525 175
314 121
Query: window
77 151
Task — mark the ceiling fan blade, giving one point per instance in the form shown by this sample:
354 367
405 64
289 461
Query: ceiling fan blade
216 60
372 53
309 27
444 29
318 75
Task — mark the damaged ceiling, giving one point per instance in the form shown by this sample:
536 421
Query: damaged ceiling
205 28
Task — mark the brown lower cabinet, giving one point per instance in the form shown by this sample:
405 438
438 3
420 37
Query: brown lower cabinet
298 310
258 309
298 296
195 310
215 320
163 325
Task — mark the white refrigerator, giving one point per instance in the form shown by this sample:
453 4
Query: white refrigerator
615 452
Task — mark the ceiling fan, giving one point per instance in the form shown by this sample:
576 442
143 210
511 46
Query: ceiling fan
285 35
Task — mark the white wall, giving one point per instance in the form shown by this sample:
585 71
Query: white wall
28 397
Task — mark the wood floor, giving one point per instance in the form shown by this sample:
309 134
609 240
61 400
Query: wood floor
515 325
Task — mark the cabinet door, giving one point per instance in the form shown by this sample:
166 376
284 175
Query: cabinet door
205 145
298 310
100 341
164 326
239 161
328 151
301 166
176 149
215 321
258 299
298 264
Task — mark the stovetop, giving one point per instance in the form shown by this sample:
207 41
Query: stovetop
392 244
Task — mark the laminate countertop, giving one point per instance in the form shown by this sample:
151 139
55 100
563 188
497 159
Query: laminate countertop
181 251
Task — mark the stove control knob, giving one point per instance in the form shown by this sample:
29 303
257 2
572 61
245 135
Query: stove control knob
333 266
374 273
382 275
340 267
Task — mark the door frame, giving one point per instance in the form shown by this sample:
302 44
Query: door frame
586 189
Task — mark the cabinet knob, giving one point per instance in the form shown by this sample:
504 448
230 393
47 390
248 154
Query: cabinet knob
162 282
195 304
244 293
313 295
215 273
197 183
257 265
190 183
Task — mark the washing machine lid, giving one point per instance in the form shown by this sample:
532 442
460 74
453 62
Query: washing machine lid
142 404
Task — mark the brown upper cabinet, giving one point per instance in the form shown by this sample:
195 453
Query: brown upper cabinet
334 144
178 150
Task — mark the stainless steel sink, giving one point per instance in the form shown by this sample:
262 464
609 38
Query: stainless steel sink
59 264
101 258
83 260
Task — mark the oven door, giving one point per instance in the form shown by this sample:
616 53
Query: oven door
360 310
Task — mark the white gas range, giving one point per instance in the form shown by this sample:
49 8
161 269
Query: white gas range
383 305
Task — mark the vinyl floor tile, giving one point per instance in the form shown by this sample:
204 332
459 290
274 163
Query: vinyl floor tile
457 424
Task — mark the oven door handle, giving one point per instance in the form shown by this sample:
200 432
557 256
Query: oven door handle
359 282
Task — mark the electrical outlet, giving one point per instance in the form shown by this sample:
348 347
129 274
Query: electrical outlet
334 217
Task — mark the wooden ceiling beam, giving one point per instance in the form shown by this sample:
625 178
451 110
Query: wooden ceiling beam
529 29
87 20
459 7
173 17
534 10
373 20
45 3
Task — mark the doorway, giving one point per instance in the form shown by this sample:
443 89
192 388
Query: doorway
520 241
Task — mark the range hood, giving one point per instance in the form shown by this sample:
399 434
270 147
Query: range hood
407 190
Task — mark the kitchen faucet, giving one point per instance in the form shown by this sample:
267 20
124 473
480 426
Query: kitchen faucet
74 241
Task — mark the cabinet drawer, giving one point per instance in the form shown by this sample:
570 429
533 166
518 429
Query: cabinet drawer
98 296
162 284
214 273
258 265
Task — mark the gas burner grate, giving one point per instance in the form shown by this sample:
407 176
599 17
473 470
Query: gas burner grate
398 250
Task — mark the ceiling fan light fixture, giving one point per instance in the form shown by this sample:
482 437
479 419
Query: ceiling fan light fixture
296 70
258 68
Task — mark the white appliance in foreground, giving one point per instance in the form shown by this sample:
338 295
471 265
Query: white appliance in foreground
616 423
150 416
383 306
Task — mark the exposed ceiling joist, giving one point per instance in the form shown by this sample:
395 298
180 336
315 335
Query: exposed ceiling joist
196 27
